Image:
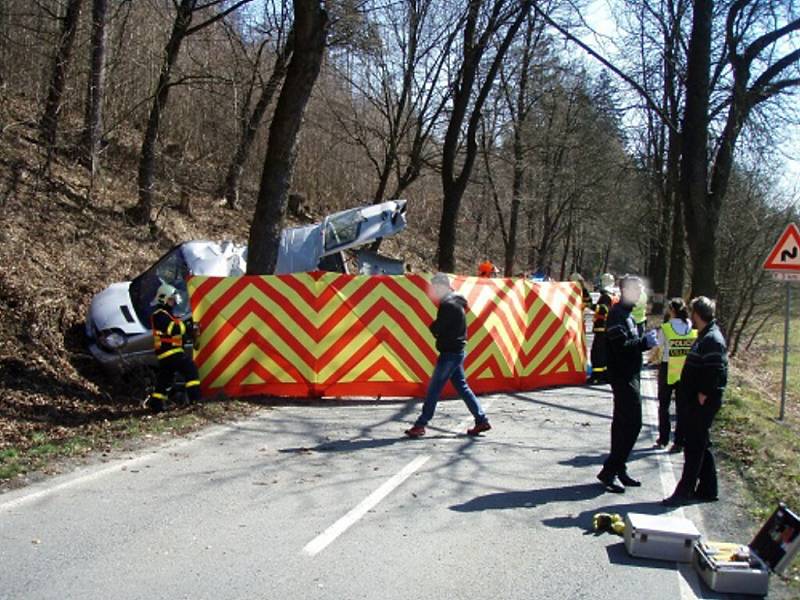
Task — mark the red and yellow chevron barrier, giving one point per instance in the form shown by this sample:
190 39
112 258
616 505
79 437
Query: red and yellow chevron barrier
328 334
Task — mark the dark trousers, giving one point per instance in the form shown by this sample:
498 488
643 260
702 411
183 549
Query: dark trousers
699 467
665 393
599 356
626 424
177 363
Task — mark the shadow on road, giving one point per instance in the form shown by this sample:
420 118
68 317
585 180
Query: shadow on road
618 555
347 445
564 407
367 444
530 498
583 520
589 460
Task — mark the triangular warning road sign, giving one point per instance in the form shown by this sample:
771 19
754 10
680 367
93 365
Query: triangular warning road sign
785 256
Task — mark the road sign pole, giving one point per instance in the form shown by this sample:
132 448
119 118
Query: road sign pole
786 348
784 262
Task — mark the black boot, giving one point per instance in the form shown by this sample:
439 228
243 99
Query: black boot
609 483
628 481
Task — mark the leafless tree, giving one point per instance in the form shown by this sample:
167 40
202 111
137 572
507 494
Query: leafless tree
520 96
758 65
58 79
489 27
181 29
725 83
279 36
93 119
396 77
310 33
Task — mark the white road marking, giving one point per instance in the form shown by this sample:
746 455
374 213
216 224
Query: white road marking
51 487
690 586
319 543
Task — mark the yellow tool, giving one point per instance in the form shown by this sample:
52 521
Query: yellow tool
612 523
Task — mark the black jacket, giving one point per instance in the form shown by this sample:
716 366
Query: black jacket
450 326
625 344
601 310
586 297
706 367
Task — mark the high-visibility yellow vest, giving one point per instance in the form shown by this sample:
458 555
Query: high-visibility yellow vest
639 312
168 342
678 347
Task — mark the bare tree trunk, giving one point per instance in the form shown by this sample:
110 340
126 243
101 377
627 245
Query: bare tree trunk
467 107
532 249
147 160
516 202
520 116
567 241
310 30
701 221
453 192
544 253
236 168
58 80
93 120
607 255
658 270
677 251
4 43
677 248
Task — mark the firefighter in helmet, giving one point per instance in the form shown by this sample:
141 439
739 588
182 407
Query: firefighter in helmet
585 296
168 336
599 353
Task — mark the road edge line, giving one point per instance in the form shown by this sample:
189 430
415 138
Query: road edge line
689 584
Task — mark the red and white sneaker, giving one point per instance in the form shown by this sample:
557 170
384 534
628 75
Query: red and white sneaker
415 432
479 428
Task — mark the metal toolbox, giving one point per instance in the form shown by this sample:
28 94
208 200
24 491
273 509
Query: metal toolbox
663 538
772 549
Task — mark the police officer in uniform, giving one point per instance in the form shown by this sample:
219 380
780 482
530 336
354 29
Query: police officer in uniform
625 347
168 337
703 381
675 339
599 352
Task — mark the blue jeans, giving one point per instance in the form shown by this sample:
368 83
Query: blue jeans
449 366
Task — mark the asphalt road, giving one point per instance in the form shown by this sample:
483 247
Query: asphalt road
331 502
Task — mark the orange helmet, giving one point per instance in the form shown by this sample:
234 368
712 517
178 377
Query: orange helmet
486 269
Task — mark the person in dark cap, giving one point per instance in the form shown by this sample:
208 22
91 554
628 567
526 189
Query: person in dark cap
450 331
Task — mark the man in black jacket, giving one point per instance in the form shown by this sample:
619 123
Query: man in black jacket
703 380
450 331
625 347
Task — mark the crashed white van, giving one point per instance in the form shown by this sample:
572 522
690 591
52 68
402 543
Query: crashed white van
118 321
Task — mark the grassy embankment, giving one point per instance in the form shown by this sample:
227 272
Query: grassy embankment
46 453
762 449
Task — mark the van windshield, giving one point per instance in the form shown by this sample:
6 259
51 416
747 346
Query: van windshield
342 229
171 269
